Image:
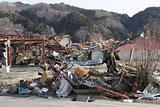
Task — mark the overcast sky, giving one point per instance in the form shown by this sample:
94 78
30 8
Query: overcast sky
129 7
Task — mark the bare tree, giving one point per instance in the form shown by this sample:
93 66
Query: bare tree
147 58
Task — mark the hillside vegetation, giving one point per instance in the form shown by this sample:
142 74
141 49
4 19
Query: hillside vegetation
82 24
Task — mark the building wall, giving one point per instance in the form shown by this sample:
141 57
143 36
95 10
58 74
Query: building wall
97 54
139 54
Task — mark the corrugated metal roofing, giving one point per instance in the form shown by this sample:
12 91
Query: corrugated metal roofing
140 43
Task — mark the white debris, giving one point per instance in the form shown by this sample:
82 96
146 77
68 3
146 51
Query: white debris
65 88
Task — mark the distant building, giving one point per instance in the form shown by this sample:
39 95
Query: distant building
139 48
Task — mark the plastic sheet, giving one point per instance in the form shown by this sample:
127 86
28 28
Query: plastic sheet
65 88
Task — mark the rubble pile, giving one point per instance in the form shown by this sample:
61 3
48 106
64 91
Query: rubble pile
63 71
2 58
58 80
25 54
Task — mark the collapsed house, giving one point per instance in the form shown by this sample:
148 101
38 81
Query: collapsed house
30 50
23 49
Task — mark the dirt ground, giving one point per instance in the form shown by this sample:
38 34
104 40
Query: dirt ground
18 74
14 77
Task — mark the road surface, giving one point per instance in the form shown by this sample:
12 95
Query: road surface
10 101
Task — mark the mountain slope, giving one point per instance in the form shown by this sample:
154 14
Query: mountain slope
148 16
82 24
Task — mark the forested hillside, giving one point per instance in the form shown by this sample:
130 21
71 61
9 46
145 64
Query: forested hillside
82 24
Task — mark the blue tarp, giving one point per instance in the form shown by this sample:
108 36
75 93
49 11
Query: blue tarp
85 63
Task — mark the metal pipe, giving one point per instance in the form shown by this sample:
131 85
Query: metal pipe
110 91
54 38
43 52
19 34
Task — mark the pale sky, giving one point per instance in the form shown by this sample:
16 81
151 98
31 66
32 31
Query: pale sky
129 7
